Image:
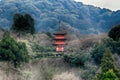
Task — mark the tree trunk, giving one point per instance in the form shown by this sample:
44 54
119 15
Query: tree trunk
19 35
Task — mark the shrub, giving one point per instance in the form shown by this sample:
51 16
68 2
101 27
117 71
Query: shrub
39 48
26 75
47 71
89 71
75 59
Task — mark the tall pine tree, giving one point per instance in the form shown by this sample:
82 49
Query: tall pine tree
109 75
108 63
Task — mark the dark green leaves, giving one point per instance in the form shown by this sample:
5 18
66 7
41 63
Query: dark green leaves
23 23
13 51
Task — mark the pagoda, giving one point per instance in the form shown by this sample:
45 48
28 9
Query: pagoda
59 39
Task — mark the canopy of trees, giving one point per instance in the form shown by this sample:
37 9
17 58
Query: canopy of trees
114 33
23 23
12 51
108 63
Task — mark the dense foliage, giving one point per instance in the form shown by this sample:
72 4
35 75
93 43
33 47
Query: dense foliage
89 71
109 75
77 15
113 45
108 62
12 51
23 23
75 59
97 53
114 33
38 48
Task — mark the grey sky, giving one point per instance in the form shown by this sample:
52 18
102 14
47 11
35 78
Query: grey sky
110 4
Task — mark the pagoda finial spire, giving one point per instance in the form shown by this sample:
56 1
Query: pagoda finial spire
59 23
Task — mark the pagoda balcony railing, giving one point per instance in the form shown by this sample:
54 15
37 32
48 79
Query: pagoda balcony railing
59 37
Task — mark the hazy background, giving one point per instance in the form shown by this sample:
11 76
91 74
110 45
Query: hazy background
110 4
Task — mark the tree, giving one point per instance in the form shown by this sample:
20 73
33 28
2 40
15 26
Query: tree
30 22
108 62
97 53
99 49
12 51
114 33
113 45
23 23
109 75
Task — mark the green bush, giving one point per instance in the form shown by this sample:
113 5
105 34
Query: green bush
12 51
75 59
38 48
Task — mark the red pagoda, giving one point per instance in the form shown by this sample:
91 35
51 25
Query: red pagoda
59 41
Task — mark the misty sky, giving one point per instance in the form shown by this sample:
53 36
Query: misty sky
110 4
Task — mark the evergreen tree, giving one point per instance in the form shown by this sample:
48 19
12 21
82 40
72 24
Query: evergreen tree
114 33
97 53
109 75
108 62
30 23
23 23
12 51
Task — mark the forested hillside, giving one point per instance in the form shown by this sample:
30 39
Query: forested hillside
75 15
91 50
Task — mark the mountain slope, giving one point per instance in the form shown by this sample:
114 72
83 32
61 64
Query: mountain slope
77 16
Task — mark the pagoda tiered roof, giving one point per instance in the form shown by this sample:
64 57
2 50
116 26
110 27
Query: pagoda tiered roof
59 33
60 39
